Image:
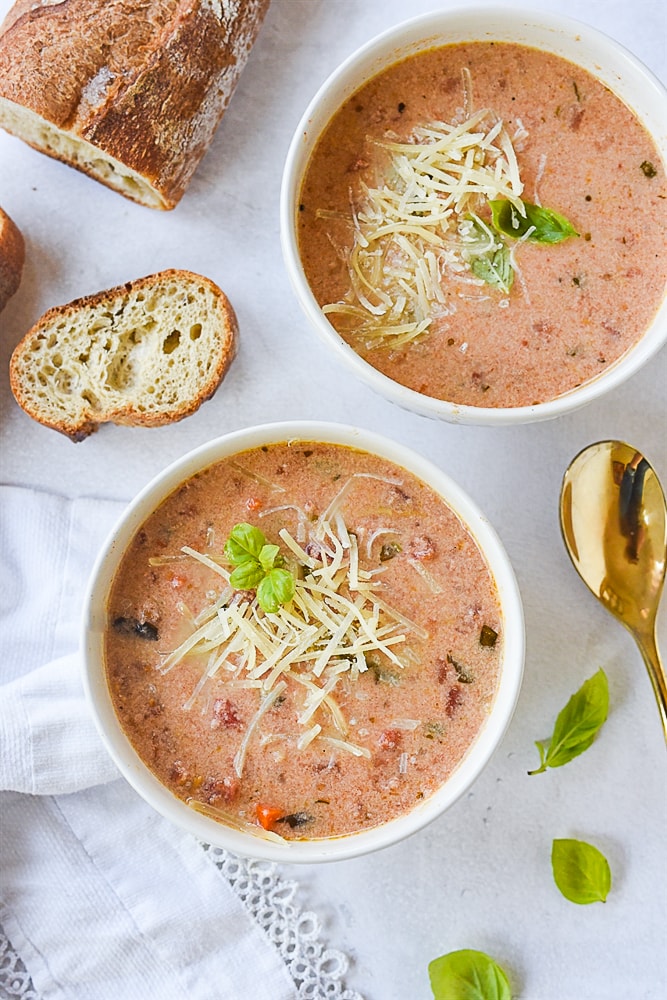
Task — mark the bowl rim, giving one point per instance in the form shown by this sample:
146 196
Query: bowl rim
143 780
393 44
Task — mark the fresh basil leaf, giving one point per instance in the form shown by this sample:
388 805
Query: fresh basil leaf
581 872
258 567
247 576
276 589
268 556
477 237
543 747
468 975
547 226
496 270
577 724
245 542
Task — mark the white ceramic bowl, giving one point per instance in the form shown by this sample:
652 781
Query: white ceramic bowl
145 782
625 75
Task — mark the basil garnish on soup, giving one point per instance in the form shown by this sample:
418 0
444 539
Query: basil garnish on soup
495 270
259 566
530 222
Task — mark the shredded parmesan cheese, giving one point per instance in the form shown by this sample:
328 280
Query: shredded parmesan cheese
322 637
207 561
433 585
420 226
352 748
274 487
308 736
163 560
268 703
407 724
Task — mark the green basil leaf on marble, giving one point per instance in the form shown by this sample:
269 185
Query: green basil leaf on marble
577 724
468 975
581 871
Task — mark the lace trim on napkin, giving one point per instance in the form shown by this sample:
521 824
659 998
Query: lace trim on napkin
317 971
15 979
295 933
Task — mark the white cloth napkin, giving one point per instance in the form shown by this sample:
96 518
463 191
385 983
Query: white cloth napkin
102 898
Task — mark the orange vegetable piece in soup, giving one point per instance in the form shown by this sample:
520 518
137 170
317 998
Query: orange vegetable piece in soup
268 816
486 223
353 700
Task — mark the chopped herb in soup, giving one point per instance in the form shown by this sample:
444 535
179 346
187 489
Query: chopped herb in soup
348 694
486 223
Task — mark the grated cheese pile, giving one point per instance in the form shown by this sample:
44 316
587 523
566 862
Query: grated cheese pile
323 635
422 225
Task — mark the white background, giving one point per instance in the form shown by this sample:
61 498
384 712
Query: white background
479 877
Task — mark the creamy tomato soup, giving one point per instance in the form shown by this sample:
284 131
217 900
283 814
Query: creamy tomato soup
346 704
486 224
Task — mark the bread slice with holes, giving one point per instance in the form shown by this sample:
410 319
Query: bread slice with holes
12 254
147 353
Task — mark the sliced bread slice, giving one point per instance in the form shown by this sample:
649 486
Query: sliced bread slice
146 353
12 253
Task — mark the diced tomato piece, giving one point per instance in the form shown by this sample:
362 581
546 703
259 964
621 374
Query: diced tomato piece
454 699
268 816
442 669
253 503
390 739
225 714
220 789
422 548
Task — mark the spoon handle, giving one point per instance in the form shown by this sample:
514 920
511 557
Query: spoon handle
656 671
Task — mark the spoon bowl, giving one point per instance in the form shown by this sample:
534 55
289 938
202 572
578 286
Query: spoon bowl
613 517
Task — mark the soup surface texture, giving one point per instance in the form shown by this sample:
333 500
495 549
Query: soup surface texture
351 702
402 248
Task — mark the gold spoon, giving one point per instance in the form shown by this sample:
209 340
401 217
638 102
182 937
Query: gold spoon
614 522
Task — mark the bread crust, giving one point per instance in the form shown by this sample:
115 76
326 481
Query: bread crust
145 82
22 373
12 256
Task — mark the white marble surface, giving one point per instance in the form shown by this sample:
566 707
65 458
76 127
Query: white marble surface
480 877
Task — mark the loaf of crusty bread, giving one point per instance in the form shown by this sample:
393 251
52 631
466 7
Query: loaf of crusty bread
146 353
12 253
128 91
